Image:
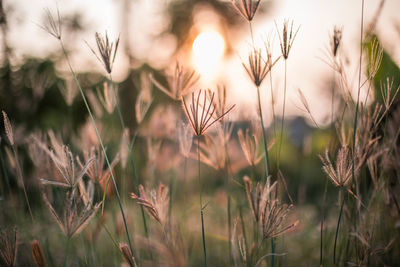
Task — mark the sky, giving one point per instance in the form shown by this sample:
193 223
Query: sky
305 67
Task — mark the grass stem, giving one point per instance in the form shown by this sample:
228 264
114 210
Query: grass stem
201 204
102 147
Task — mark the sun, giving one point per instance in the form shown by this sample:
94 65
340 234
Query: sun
208 49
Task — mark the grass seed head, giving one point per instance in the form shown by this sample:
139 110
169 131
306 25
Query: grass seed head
336 40
287 38
52 26
273 218
155 202
127 254
107 51
201 115
8 247
249 144
246 8
37 254
8 128
180 81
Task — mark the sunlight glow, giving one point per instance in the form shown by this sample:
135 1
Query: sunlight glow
208 49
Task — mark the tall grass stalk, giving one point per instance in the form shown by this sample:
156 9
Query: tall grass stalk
21 178
117 103
278 157
272 102
264 143
101 144
358 89
228 207
4 172
338 224
201 203
356 115
321 258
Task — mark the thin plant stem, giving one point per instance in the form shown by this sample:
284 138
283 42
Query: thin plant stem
266 161
228 207
21 178
102 147
333 97
263 134
359 89
322 223
136 179
356 112
6 178
201 203
272 102
117 104
283 117
337 227
67 252
251 33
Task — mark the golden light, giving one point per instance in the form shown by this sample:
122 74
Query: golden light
208 49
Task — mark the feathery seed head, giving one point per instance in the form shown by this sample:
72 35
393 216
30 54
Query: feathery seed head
180 81
8 247
53 26
155 202
287 38
336 39
185 139
144 99
109 97
96 171
76 214
8 128
246 8
273 218
37 254
340 174
127 254
107 51
200 115
258 196
67 170
249 144
257 67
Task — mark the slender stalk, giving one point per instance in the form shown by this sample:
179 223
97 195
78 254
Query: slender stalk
201 204
322 223
337 228
101 144
359 89
228 207
19 173
3 168
272 102
333 97
136 179
263 133
117 104
251 33
283 117
67 252
356 112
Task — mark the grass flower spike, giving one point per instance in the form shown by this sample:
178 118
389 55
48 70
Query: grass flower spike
107 51
200 115
155 202
180 81
246 8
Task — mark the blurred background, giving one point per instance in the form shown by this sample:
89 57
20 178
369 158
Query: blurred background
158 33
